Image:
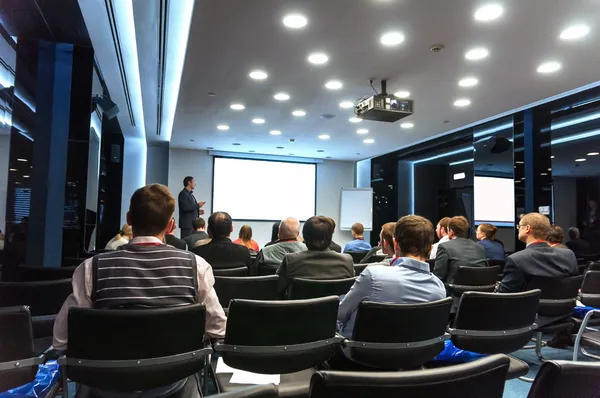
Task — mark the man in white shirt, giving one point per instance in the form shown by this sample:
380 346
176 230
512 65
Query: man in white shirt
441 230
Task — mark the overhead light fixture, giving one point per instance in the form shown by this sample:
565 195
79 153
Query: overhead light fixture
295 21
489 12
593 154
237 107
580 160
362 131
574 137
223 127
575 32
318 58
324 137
275 132
574 121
519 162
355 120
543 174
333 85
459 176
21 160
402 94
493 130
461 162
391 38
552 157
258 75
477 54
258 120
299 112
548 67
346 104
25 176
443 155
468 82
407 125
281 96
12 169
462 102
369 141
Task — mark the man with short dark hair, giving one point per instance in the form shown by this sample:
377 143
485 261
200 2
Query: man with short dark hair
358 244
578 245
189 207
221 252
441 231
318 262
199 226
270 257
555 237
408 280
171 239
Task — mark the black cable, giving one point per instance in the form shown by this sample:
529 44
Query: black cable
373 87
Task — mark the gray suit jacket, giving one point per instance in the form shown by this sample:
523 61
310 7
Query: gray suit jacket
188 208
457 252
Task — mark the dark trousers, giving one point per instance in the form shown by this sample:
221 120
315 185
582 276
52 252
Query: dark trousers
185 232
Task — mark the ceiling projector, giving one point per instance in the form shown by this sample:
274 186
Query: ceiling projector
383 107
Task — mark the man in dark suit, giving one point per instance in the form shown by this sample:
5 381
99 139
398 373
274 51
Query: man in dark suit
578 245
189 207
318 262
199 233
538 258
174 241
221 252
459 250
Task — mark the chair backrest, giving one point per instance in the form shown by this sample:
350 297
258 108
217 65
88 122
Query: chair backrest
280 336
301 288
491 323
265 270
30 274
357 256
595 266
16 346
481 378
377 258
399 336
240 271
43 297
248 287
140 349
590 289
474 279
558 294
359 268
558 379
493 262
264 391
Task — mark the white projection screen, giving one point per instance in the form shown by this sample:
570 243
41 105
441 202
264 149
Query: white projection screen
494 200
260 190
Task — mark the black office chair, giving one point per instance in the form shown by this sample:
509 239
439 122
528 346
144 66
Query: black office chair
595 266
501 263
496 323
249 287
559 379
127 350
481 378
264 391
357 256
398 336
587 336
301 288
590 289
359 268
474 279
30 274
72 261
377 258
368 258
241 271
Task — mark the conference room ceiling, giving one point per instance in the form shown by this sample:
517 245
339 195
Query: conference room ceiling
229 39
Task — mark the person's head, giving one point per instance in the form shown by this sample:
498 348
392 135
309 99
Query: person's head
219 225
413 237
556 235
458 227
275 231
317 232
151 210
574 233
199 224
289 229
593 204
126 231
386 238
357 230
533 226
246 233
189 183
486 231
441 228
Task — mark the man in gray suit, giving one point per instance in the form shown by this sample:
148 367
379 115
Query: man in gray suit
459 250
189 208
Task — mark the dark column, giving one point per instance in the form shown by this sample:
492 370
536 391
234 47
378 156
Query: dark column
537 162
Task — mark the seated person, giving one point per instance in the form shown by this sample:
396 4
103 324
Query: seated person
358 244
270 257
245 238
199 227
120 239
318 262
386 240
334 246
408 280
274 233
555 237
167 278
486 234
174 241
578 245
537 259
221 252
459 250
441 231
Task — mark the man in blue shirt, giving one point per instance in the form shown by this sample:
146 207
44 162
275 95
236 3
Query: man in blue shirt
358 244
406 281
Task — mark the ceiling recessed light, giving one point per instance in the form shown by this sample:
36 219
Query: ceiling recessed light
333 85
407 125
281 96
346 104
318 58
275 132
295 21
391 38
468 82
574 32
488 12
593 154
236 144
402 94
25 176
258 75
258 120
279 147
355 120
369 141
548 67
544 174
324 137
362 131
476 54
462 102
237 107
223 127
580 160
21 160
552 157
299 112
320 150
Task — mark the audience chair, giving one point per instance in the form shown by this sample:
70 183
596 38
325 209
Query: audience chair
496 323
482 378
590 289
250 287
279 337
595 266
126 350
30 274
587 336
377 258
241 271
581 261
359 268
559 379
264 391
368 258
500 263
301 288
266 270
357 256
474 279
398 336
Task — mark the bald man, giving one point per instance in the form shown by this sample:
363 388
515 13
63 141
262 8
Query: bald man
270 257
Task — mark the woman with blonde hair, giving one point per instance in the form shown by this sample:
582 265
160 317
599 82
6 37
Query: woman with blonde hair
120 239
245 238
486 235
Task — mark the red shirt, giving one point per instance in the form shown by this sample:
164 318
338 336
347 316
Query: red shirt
254 244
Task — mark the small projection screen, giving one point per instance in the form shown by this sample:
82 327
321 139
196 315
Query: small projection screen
494 200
